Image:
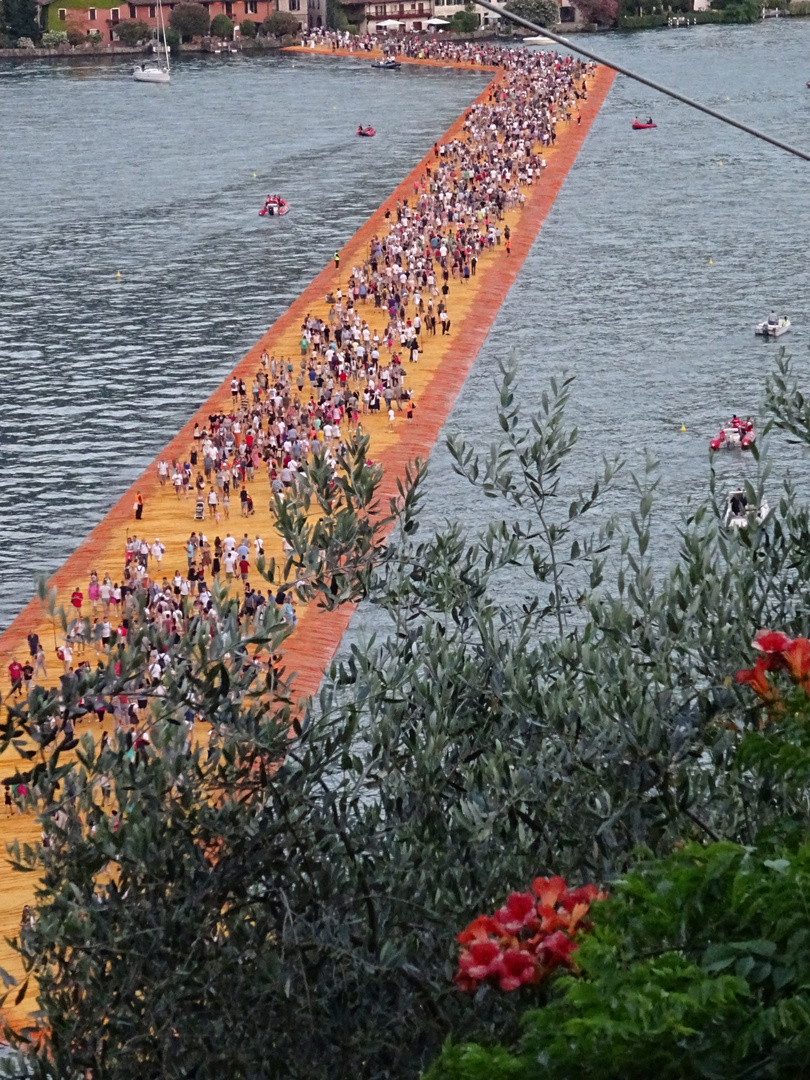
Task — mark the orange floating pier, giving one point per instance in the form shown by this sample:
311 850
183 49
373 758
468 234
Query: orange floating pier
435 381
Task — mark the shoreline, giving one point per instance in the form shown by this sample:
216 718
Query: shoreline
436 380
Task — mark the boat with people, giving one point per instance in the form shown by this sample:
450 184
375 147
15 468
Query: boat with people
639 125
740 513
157 72
274 206
367 132
737 434
388 64
773 327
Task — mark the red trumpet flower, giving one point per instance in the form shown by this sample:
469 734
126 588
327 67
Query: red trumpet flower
757 678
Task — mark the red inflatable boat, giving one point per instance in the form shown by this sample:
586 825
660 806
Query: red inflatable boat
274 205
366 131
642 127
736 435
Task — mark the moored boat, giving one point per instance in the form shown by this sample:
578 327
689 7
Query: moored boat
157 72
388 64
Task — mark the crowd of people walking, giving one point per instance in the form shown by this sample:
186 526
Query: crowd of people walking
353 362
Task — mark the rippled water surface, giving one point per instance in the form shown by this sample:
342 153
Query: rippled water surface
98 174
662 250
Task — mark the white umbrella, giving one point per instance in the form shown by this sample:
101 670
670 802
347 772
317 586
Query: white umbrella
438 22
389 24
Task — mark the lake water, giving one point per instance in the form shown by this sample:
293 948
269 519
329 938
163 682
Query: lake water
100 175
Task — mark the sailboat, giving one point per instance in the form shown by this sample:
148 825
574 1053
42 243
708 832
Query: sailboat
156 73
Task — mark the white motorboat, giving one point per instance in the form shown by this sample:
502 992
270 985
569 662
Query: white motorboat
156 72
739 512
539 40
774 326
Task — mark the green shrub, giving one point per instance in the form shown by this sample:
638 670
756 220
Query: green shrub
25 43
75 37
248 28
132 31
221 27
693 969
652 21
542 12
738 11
190 21
95 37
280 23
465 22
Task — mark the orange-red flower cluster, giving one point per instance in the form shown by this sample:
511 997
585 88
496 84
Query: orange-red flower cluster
526 939
779 653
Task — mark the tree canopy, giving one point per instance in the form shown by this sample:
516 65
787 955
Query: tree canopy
542 12
281 23
190 20
18 18
132 31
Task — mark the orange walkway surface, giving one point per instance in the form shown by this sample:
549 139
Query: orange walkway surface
436 380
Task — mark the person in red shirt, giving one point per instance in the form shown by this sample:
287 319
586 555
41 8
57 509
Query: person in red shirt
76 598
244 567
16 672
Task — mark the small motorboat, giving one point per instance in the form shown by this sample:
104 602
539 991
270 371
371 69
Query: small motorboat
274 206
638 126
389 64
773 327
740 513
737 434
367 132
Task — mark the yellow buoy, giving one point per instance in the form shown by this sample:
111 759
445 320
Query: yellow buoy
254 176
719 162
711 263
118 274
683 427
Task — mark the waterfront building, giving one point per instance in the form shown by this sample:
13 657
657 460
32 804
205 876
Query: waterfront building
77 15
446 9
368 14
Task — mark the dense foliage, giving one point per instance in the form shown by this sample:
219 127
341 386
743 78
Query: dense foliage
248 28
542 699
132 31
466 21
697 967
18 19
190 20
542 12
280 24
222 26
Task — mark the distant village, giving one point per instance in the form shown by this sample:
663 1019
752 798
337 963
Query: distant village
103 23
